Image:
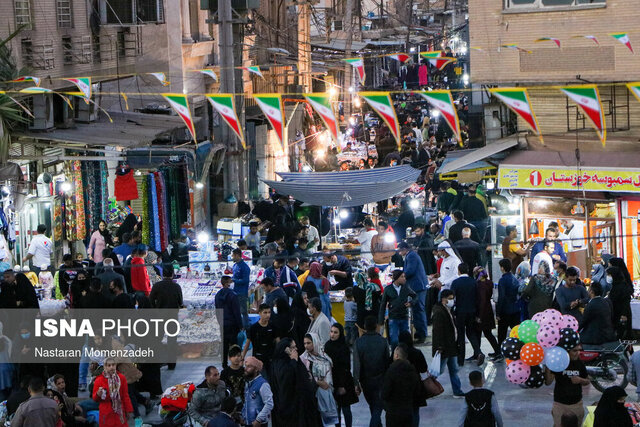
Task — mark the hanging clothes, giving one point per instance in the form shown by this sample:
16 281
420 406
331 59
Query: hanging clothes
81 228
423 75
146 226
126 187
154 213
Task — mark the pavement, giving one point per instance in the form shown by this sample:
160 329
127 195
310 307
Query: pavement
519 406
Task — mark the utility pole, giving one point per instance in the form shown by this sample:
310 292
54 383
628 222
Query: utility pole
304 45
231 169
348 68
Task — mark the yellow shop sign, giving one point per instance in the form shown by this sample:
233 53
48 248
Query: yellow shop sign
532 178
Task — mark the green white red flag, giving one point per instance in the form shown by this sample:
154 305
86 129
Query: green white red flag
635 89
254 69
549 39
226 106
162 78
272 107
180 104
623 38
588 99
34 90
22 79
592 38
518 101
383 105
358 64
436 59
402 57
322 105
515 47
210 73
443 102
84 85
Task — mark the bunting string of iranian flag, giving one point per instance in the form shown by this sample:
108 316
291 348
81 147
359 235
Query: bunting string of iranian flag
587 98
272 107
443 102
517 100
224 104
383 105
321 104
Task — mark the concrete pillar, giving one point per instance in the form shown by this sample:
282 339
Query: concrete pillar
186 21
203 27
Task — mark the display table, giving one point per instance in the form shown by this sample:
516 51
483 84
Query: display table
51 307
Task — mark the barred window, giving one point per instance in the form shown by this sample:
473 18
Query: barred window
64 13
22 10
550 5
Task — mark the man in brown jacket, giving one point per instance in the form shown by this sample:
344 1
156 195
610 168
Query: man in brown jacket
512 250
38 410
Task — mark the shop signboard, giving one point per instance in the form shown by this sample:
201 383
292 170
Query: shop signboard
591 179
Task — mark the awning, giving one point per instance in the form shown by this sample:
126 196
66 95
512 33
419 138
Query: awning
474 159
348 188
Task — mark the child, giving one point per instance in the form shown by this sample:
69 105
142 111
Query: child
350 316
233 375
480 404
262 337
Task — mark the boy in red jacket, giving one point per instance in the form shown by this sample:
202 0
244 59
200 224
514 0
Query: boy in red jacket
139 275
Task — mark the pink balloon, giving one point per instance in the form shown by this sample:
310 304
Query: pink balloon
538 317
552 311
553 318
568 321
518 372
548 336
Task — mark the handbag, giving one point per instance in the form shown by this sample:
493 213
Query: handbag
432 387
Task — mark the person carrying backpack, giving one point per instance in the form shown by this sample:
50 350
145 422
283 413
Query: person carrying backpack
480 405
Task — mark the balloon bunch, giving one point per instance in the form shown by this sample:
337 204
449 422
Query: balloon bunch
546 338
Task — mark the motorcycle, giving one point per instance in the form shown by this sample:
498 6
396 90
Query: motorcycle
608 364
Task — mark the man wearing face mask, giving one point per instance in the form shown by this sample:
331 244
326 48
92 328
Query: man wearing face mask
444 339
340 268
596 326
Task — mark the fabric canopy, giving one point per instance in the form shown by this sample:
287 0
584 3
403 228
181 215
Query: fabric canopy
348 188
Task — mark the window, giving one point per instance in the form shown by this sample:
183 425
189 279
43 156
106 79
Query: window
27 52
67 50
119 12
552 4
22 10
124 12
150 11
64 14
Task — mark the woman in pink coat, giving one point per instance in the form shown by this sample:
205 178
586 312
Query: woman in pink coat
111 392
99 241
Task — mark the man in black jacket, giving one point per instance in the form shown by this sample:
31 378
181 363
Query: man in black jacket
468 249
474 210
107 276
399 297
597 326
444 338
166 293
227 300
464 289
370 362
424 246
400 387
455 232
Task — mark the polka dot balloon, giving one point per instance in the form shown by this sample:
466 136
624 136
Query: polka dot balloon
553 318
556 359
532 354
548 336
568 338
528 330
518 372
536 377
538 317
511 348
568 321
514 332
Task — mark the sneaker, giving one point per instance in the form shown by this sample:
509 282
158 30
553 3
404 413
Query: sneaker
471 359
458 396
480 359
419 341
82 387
492 355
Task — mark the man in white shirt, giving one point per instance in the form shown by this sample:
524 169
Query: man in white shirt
544 255
364 239
312 236
40 250
449 266
573 235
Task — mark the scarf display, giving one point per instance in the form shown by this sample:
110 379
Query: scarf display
154 214
114 393
96 194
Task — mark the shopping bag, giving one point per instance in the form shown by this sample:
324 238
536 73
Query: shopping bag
434 371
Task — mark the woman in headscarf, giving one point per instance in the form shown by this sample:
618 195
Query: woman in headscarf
417 360
320 366
367 295
620 296
523 271
619 262
100 239
151 259
484 292
127 226
599 273
344 389
540 289
282 319
322 286
301 320
111 392
6 368
79 288
294 403
611 410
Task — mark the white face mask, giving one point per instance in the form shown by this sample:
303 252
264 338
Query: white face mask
328 264
609 279
450 303
309 312
275 309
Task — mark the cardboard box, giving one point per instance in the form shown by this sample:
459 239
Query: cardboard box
227 210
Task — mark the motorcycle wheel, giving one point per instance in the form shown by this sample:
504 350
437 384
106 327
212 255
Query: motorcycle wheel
616 373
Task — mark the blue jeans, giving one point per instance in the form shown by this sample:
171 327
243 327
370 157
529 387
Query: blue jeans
243 300
452 364
82 372
420 315
326 305
395 327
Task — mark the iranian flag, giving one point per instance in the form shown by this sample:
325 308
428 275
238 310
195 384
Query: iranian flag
22 79
518 101
402 57
623 38
226 106
549 39
589 37
180 104
635 89
272 107
210 73
84 85
588 100
382 104
322 106
254 69
34 90
358 64
442 100
162 78
436 59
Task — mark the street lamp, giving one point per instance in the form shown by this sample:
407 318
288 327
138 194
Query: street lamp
203 237
333 91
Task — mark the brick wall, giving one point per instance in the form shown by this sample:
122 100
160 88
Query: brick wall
490 27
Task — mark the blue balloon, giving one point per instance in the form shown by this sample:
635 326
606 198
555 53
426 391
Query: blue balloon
556 359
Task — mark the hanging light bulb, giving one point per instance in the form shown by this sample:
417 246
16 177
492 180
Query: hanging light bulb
414 204
65 186
357 103
336 221
203 237
344 214
491 184
333 91
199 185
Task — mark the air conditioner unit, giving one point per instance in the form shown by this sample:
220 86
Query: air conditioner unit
85 113
42 112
